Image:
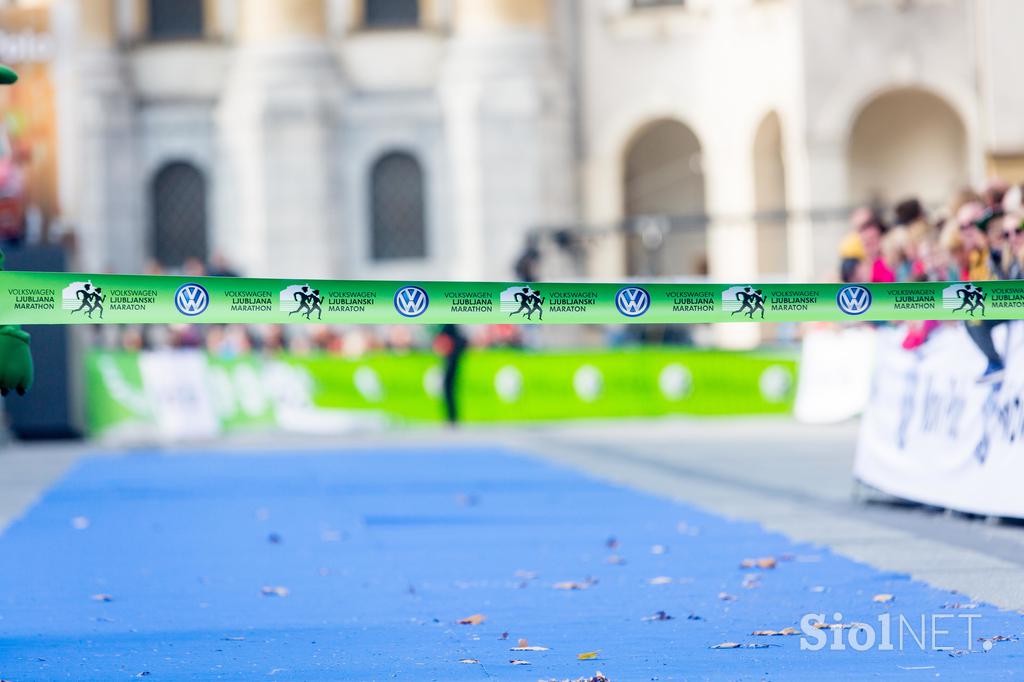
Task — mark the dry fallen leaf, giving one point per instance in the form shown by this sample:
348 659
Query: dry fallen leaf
588 655
660 580
475 619
774 633
725 596
573 585
569 585
660 615
762 562
102 597
268 591
883 598
516 661
468 660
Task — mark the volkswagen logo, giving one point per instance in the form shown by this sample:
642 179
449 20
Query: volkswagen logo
854 300
632 301
191 299
411 301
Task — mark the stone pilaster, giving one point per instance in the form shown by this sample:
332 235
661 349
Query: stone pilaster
278 201
506 103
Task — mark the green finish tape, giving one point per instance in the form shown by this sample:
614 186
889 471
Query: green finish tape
67 298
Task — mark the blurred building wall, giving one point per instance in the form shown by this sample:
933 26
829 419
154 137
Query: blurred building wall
758 121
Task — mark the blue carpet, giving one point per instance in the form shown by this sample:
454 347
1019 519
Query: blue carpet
383 552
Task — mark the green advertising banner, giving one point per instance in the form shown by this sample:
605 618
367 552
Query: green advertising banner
66 298
139 394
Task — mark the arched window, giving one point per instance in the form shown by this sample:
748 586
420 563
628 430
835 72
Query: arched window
175 19
664 201
391 13
178 200
397 208
907 142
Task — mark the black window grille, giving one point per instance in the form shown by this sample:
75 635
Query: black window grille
391 13
397 208
642 4
178 196
175 19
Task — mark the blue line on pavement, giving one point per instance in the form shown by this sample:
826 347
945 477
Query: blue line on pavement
382 552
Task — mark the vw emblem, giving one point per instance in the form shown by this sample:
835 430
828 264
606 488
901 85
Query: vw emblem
854 300
632 301
411 301
191 299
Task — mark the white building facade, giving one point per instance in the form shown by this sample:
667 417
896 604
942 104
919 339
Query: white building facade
415 139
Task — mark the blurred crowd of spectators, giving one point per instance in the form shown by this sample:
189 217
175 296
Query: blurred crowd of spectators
978 237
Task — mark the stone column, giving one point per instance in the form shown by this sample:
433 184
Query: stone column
817 193
100 189
732 234
278 200
506 108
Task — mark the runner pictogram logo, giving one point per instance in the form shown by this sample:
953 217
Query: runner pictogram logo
745 300
522 300
83 297
302 299
967 297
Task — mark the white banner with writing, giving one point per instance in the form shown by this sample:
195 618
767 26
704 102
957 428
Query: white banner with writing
932 434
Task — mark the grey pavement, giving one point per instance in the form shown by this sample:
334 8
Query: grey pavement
791 478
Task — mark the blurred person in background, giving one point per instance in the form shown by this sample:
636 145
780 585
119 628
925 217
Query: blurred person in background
450 344
1010 264
973 219
527 265
895 262
193 267
220 267
975 242
875 266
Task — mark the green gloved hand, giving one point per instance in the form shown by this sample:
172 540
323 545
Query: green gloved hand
15 358
16 369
